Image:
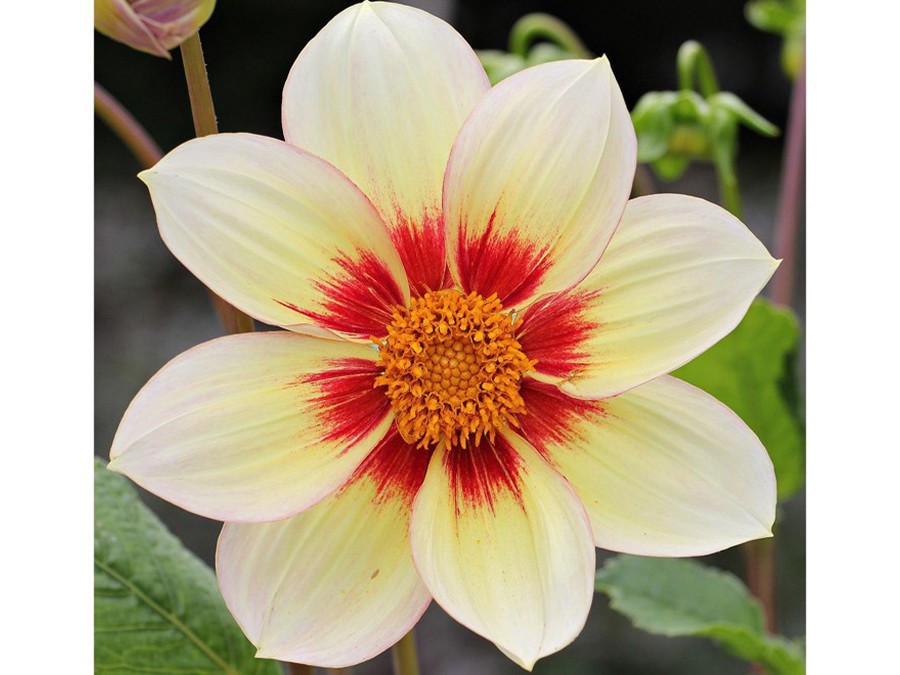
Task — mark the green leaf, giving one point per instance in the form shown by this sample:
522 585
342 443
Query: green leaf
744 113
752 372
653 123
772 16
676 598
157 608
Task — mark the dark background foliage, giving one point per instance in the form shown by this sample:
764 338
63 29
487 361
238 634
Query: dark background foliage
148 308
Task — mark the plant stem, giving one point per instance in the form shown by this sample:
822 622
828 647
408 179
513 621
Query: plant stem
760 558
126 127
534 26
204 114
202 108
728 189
693 59
787 221
404 656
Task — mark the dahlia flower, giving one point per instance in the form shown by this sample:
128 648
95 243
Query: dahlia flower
151 26
471 390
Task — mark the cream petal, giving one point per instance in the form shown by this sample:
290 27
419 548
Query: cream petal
334 585
678 276
537 180
663 470
381 92
279 233
253 427
504 546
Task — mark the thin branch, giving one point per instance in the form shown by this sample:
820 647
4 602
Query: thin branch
204 114
787 222
124 125
404 656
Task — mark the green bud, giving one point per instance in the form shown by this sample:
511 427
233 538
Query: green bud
786 18
545 52
654 121
500 65
675 128
525 48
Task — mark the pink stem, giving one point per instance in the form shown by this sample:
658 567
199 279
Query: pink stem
792 185
126 127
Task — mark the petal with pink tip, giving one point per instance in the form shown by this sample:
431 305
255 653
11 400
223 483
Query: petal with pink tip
382 92
335 585
504 545
537 181
678 276
279 233
663 469
253 427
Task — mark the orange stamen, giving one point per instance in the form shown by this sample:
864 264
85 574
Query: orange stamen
452 368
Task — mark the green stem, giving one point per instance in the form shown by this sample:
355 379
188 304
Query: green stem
694 59
204 114
728 187
534 26
124 125
202 108
404 656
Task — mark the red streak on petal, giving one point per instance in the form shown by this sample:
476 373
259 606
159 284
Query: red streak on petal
554 331
349 405
505 264
554 417
397 469
421 248
357 300
481 475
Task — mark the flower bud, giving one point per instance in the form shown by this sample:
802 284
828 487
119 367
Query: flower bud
151 26
526 48
675 128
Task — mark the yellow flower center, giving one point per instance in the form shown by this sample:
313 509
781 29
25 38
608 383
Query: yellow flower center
452 368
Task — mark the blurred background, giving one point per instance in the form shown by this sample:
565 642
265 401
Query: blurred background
148 308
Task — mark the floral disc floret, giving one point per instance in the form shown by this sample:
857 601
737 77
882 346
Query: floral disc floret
452 368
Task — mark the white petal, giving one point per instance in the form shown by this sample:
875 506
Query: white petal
381 92
334 585
253 427
678 275
504 546
663 470
279 233
537 180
